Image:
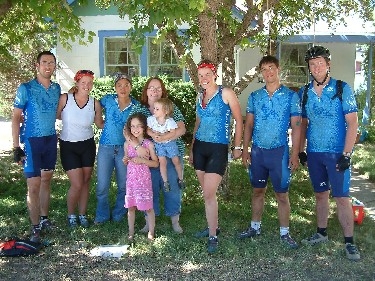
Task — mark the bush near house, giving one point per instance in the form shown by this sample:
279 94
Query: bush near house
181 93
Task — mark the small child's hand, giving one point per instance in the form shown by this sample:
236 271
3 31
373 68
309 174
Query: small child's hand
125 160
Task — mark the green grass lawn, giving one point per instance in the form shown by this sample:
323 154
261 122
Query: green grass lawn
183 257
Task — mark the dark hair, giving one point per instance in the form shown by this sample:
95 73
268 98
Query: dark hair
142 118
269 59
47 53
144 97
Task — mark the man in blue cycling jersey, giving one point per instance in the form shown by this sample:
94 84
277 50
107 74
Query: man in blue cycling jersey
329 123
35 107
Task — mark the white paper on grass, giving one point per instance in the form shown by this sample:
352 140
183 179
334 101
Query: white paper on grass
109 251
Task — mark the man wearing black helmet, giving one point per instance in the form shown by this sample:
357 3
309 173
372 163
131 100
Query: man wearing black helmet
329 149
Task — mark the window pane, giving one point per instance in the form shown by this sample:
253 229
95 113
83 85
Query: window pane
119 57
163 61
294 70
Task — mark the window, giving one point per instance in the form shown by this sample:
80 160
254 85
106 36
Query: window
294 69
119 57
162 60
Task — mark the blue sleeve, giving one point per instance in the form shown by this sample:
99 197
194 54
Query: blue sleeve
177 115
295 105
250 104
21 97
349 103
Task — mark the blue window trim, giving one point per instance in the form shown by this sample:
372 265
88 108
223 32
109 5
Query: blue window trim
143 56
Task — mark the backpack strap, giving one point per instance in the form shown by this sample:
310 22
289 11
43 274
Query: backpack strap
304 96
339 90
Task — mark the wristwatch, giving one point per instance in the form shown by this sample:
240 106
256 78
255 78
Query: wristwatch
235 148
347 154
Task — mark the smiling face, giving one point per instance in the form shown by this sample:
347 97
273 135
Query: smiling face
137 128
154 91
206 77
270 72
123 88
319 68
46 66
85 84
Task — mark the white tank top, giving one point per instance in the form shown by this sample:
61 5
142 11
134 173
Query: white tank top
77 122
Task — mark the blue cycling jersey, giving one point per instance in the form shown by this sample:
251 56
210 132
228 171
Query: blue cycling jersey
115 120
39 107
214 119
272 116
326 130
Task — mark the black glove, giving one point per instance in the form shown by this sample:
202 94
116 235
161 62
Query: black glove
18 153
302 158
343 163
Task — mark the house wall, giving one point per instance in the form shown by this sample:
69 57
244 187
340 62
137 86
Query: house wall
107 22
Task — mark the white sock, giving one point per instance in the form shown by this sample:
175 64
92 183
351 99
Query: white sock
255 225
284 230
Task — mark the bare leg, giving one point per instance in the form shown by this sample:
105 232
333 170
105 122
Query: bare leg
151 224
257 203
74 192
163 168
85 189
45 192
131 221
345 215
322 208
209 183
178 166
33 200
283 208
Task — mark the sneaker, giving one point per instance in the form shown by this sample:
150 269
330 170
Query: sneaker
35 235
72 221
167 187
212 244
205 233
352 252
249 233
46 225
287 240
181 184
315 239
83 221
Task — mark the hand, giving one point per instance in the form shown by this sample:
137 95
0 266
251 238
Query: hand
302 158
236 153
125 160
191 157
18 155
246 159
343 163
293 163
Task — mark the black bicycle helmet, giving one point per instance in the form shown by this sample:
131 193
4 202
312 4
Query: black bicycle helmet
317 51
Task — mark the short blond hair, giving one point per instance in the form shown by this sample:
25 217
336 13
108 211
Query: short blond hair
166 105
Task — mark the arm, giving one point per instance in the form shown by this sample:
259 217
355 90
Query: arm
125 159
351 132
98 119
16 121
153 161
196 125
231 99
19 154
62 102
247 137
295 122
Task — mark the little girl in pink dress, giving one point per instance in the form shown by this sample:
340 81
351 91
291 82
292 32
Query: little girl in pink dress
138 180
